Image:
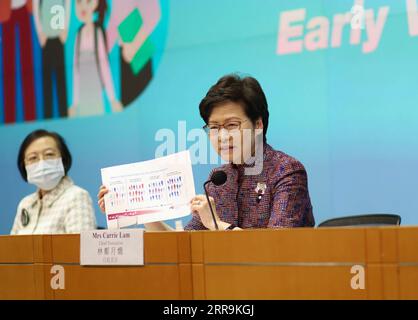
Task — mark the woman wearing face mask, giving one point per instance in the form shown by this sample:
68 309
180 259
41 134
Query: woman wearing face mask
58 206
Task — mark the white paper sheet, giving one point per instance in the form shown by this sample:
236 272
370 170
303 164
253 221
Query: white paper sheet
148 191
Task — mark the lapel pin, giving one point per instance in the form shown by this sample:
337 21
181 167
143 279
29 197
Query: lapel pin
261 189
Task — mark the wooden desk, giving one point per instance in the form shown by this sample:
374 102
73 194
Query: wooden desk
251 264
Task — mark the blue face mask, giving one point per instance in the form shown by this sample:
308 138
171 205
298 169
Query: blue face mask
45 174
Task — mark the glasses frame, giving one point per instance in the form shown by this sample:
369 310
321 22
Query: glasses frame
222 126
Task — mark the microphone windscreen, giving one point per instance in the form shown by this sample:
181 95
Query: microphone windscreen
218 178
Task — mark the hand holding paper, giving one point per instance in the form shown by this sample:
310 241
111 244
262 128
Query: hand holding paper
148 191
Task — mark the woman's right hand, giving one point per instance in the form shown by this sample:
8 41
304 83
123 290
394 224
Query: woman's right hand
117 106
100 196
72 111
42 39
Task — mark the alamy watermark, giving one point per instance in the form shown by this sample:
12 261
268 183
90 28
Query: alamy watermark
58 17
357 20
58 278
358 281
239 146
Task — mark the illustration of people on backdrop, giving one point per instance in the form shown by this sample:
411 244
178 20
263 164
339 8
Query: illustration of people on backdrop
52 37
16 25
130 26
91 68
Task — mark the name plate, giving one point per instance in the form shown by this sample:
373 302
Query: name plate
112 247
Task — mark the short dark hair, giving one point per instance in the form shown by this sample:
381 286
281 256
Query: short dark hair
243 90
35 135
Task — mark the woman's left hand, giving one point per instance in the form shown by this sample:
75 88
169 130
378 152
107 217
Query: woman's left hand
129 51
63 36
117 106
199 205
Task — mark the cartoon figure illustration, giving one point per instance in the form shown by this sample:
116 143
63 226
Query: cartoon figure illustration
91 70
52 39
15 19
130 26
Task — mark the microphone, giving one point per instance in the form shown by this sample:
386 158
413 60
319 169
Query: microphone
218 178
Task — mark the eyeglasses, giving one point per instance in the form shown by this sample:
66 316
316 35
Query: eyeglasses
212 128
46 155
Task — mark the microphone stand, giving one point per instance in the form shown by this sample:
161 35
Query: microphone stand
210 204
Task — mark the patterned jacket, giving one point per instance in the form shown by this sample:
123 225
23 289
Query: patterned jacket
285 202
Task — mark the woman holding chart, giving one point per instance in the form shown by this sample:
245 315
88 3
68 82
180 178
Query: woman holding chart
264 188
